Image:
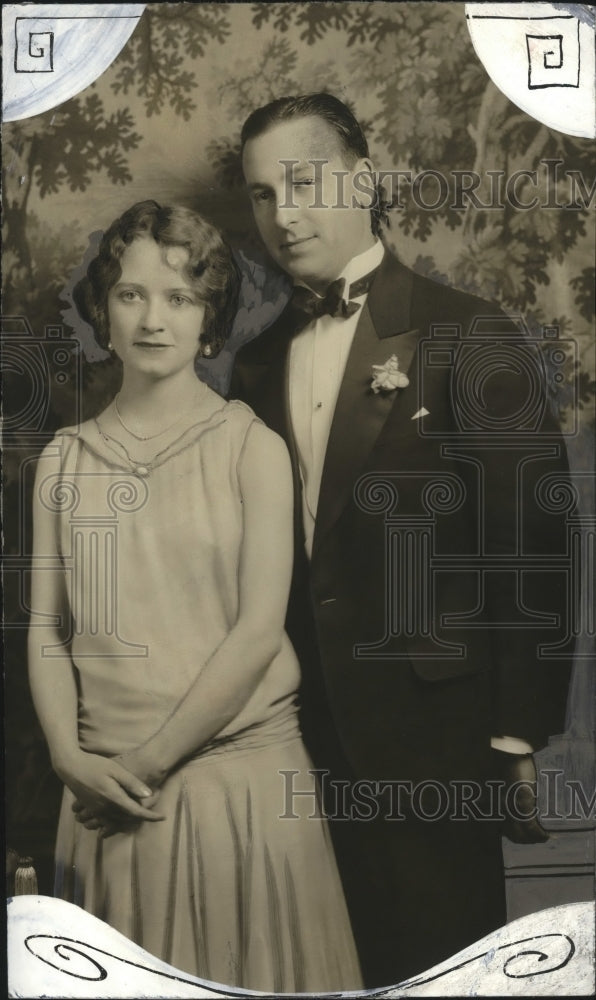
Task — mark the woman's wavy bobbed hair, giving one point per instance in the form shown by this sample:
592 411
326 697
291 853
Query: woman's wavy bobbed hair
211 268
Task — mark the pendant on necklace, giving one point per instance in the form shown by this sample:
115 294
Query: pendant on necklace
141 470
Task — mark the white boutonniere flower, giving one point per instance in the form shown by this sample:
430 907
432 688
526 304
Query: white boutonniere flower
388 377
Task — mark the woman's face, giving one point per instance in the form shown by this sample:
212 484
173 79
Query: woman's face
154 314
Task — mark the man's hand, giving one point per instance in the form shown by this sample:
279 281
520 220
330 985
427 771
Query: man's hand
518 771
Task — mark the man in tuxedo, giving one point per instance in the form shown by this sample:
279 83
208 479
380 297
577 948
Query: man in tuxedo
425 602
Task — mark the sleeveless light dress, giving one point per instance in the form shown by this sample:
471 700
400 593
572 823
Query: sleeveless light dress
238 885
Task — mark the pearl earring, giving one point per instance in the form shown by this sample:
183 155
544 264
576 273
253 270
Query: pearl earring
206 350
110 345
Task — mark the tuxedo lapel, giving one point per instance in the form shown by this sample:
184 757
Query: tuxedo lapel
360 414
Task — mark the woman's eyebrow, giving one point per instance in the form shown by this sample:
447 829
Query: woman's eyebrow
141 287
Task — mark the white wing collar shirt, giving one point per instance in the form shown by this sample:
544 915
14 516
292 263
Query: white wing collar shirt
318 359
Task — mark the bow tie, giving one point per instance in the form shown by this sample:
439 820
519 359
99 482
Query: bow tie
308 305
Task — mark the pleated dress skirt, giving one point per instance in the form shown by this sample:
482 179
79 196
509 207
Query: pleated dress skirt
238 885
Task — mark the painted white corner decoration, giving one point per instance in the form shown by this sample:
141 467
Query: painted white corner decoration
52 51
541 56
56 950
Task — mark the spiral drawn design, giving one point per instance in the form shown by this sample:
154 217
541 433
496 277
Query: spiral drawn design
530 961
443 496
539 955
74 958
65 950
486 362
59 495
550 953
376 493
126 495
556 495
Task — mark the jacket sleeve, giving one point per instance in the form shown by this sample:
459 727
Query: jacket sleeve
521 474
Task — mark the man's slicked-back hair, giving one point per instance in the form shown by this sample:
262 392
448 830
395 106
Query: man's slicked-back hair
339 118
325 106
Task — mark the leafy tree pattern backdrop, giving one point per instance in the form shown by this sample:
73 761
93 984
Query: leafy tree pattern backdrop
164 122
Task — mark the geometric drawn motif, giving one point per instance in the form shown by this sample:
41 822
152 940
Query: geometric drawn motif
34 50
554 59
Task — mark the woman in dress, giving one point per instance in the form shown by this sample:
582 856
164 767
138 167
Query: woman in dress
160 670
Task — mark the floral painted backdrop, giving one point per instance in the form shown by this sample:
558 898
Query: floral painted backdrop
163 122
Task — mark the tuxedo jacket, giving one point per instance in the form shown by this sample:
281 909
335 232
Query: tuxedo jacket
433 613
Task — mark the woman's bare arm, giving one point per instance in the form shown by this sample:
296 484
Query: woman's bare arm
227 681
97 781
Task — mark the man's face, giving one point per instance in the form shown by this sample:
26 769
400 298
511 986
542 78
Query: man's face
312 244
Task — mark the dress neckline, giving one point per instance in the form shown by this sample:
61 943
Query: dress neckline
111 450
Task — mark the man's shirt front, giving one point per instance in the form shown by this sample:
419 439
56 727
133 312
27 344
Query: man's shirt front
317 363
